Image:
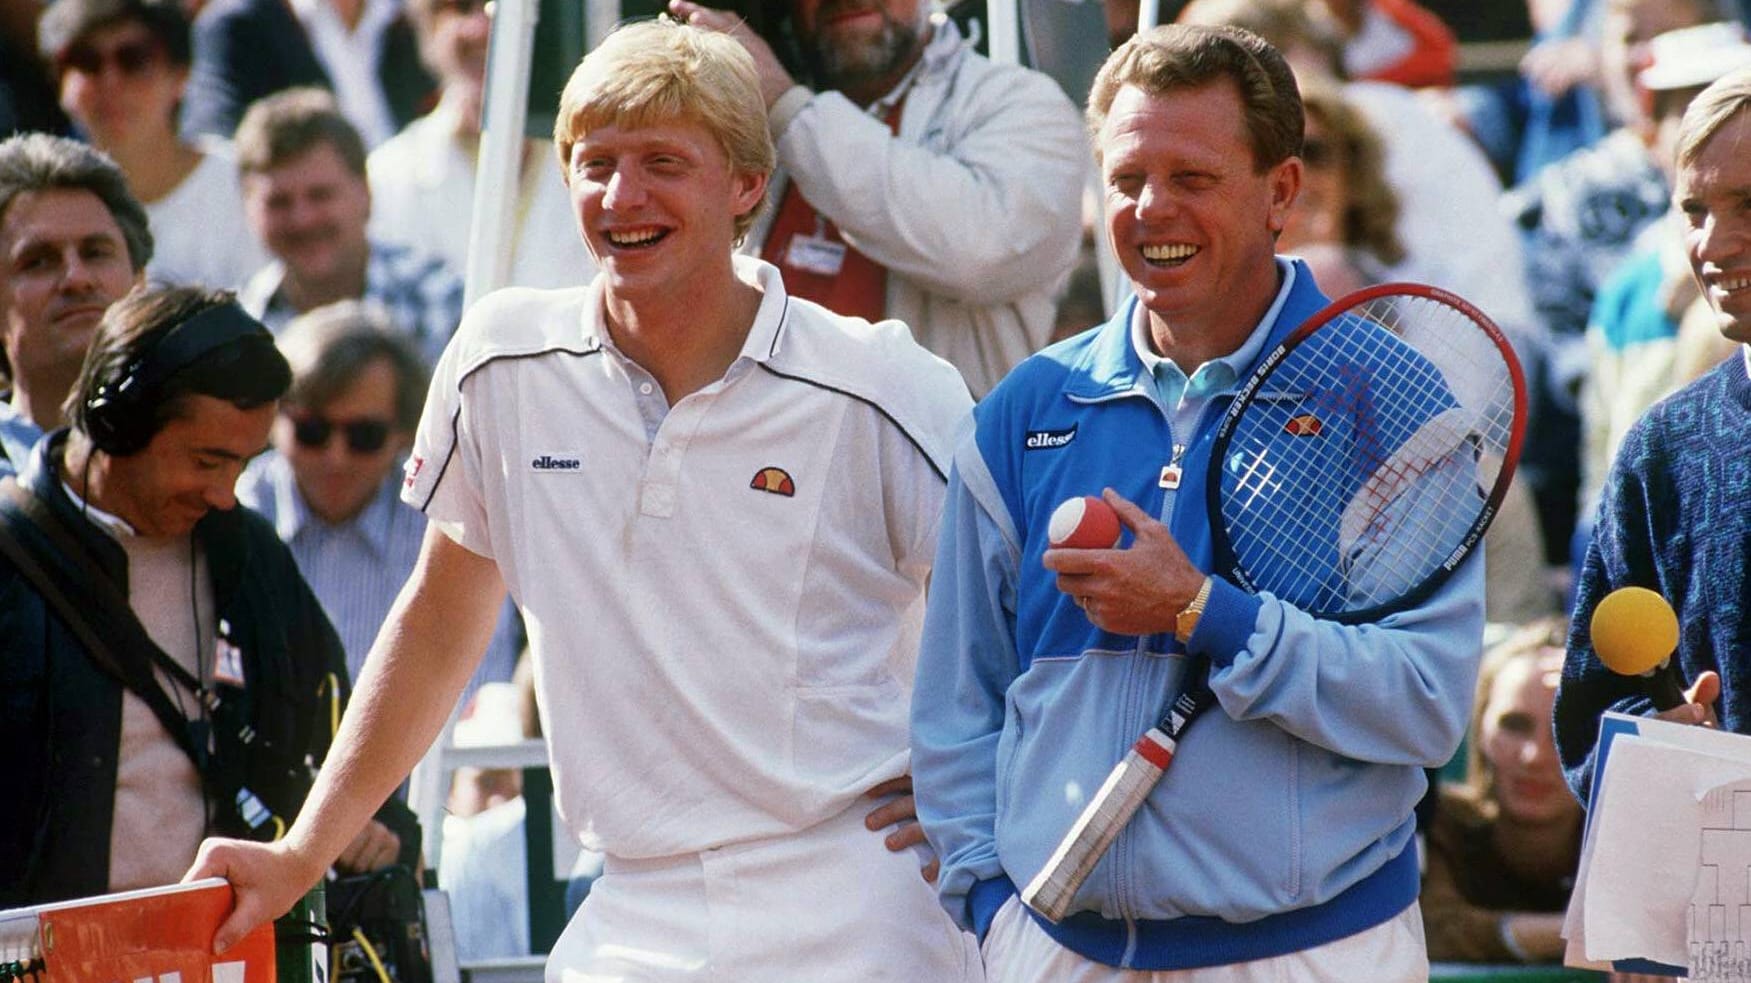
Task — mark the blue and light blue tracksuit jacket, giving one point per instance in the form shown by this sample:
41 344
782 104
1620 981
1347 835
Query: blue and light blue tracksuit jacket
1287 819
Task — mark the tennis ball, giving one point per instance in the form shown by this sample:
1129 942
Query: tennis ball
1083 523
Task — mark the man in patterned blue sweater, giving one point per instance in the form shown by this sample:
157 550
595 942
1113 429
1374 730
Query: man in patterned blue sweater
1674 516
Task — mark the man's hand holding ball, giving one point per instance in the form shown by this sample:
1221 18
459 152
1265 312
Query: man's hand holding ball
1138 590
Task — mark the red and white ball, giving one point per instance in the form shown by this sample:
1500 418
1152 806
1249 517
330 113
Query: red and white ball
1083 523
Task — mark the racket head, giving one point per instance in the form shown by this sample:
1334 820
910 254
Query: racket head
1367 455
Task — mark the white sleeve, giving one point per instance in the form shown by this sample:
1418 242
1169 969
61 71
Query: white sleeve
444 470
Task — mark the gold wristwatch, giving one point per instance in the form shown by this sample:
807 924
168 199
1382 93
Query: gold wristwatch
1187 622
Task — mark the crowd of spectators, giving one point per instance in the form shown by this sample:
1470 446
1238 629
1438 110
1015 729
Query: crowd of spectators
317 157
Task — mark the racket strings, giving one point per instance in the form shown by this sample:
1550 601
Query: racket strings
1364 461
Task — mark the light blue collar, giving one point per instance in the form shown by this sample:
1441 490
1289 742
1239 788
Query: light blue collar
1172 385
1117 361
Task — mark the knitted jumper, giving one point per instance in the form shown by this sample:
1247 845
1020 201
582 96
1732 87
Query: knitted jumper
1675 518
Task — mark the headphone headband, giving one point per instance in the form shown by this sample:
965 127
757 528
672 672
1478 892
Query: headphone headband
119 417
184 344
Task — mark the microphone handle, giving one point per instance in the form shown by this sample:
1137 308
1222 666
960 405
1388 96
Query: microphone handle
1663 687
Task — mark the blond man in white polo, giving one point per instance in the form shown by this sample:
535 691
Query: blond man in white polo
716 507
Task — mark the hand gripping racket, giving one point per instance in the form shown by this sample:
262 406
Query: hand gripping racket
1350 476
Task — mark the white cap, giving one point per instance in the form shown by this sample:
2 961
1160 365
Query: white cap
1694 56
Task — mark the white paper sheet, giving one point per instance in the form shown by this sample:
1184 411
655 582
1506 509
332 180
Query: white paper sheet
1667 861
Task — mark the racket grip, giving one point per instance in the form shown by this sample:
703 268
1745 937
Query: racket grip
1120 796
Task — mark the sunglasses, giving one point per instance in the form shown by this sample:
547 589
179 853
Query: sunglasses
364 436
132 59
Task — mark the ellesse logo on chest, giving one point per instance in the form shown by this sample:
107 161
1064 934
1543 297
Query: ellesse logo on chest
569 462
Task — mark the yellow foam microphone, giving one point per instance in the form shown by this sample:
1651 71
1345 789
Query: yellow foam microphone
1635 633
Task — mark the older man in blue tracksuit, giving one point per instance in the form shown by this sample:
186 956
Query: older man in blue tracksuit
1280 846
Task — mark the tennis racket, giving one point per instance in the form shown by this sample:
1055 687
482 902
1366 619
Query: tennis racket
1351 475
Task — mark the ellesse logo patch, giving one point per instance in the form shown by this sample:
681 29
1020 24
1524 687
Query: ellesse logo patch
1047 440
775 481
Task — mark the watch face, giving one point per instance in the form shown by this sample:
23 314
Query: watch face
1186 624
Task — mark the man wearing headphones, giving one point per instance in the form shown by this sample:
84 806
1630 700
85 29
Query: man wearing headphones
164 671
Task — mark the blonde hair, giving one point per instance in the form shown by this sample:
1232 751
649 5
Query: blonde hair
1538 639
659 71
1371 213
1729 96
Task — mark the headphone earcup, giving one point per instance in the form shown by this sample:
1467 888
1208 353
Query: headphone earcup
113 426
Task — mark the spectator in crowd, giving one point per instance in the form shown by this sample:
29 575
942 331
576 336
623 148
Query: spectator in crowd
1551 107
715 505
331 485
1579 218
1673 516
1394 41
363 50
485 863
1504 846
123 67
72 241
1122 19
918 180
485 866
27 94
1037 665
1700 345
1345 221
166 673
1632 332
432 161
306 196
1448 196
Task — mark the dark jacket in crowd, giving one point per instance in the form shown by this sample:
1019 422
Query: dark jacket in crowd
247 49
60 713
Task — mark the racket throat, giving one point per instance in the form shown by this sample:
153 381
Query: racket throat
1156 748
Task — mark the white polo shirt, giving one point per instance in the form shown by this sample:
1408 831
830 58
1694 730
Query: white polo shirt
723 597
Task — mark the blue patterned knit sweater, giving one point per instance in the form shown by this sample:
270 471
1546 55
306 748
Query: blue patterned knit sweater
1675 518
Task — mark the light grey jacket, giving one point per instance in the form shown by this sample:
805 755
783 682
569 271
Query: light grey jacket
975 209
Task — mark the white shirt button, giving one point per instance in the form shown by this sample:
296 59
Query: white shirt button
644 388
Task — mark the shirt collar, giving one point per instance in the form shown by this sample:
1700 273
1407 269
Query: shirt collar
1219 373
116 527
764 335
292 514
372 19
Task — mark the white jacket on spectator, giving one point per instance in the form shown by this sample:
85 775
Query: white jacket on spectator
422 195
974 209
1449 220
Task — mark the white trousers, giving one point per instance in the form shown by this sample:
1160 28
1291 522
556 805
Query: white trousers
1017 950
830 903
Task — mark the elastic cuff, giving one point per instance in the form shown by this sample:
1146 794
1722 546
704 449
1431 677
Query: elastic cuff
1228 621
785 108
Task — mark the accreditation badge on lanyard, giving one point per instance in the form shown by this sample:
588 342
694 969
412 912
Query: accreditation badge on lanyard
816 253
822 252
